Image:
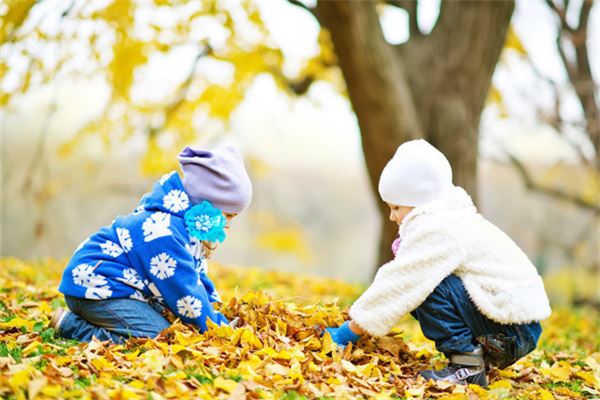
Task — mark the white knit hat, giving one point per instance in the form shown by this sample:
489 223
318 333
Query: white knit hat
417 174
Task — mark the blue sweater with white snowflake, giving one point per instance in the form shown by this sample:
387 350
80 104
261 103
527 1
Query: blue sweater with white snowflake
147 254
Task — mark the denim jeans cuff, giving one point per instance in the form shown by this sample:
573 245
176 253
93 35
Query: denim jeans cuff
64 322
456 346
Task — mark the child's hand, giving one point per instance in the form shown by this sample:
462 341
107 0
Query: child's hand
343 335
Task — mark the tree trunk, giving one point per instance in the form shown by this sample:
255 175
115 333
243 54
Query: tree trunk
433 86
378 90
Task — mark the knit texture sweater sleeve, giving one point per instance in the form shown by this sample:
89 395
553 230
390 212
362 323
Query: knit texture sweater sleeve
425 257
172 271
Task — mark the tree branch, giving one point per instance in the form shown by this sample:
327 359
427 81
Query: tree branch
555 119
561 13
584 14
580 73
530 184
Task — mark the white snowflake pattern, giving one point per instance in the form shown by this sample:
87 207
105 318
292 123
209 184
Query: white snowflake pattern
111 248
189 306
124 239
131 278
165 177
137 295
83 274
96 285
98 293
176 200
140 208
203 266
162 266
215 297
156 225
195 248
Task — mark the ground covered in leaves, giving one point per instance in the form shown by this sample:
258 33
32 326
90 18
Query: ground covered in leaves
275 352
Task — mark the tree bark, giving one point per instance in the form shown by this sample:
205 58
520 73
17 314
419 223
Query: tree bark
432 86
450 73
377 88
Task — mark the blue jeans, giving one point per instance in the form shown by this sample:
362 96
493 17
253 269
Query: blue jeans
116 319
453 322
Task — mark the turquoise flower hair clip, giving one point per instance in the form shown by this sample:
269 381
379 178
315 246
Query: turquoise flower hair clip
206 223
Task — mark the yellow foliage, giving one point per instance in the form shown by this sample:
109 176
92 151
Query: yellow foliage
545 395
119 13
157 160
513 42
275 350
134 41
559 371
221 100
128 55
495 97
288 240
13 18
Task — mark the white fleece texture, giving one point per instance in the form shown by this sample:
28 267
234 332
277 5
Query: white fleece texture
446 237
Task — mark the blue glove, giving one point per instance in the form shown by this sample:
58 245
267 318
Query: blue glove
343 335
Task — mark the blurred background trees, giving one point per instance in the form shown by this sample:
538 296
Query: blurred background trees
432 86
175 72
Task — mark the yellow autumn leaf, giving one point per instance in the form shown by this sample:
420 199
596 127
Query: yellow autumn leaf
457 396
559 371
587 377
45 307
227 385
507 373
277 369
35 386
57 391
502 384
124 394
31 347
479 391
154 360
545 394
17 323
102 364
20 379
249 339
513 42
327 344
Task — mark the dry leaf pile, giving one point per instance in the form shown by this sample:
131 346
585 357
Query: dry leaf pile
275 352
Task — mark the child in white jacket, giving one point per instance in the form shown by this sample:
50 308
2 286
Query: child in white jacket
472 289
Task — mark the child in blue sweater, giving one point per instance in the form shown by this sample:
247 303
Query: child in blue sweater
119 280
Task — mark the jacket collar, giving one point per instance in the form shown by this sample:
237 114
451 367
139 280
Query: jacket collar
455 199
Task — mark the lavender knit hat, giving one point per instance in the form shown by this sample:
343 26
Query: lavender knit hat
218 176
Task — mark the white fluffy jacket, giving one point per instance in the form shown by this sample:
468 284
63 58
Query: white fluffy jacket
444 237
